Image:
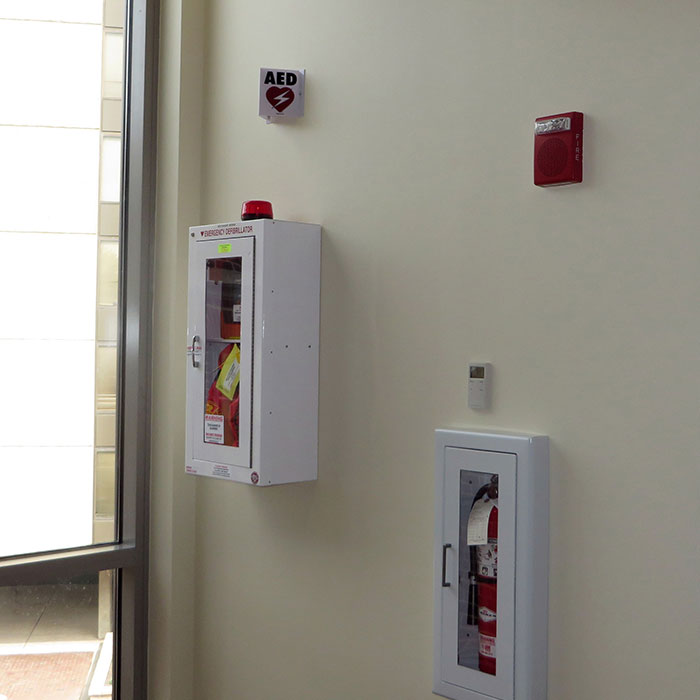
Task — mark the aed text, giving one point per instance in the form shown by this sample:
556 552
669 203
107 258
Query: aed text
280 78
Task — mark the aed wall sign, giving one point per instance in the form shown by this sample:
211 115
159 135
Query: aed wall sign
281 94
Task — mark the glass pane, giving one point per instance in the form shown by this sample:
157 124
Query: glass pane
105 429
109 219
223 357
65 88
107 323
110 169
106 372
47 393
56 639
478 570
113 57
45 498
104 484
48 182
108 277
89 11
54 275
114 13
59 272
111 115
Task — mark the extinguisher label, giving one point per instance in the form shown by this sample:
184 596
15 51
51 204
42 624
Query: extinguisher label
487 646
236 313
487 559
486 615
214 429
478 524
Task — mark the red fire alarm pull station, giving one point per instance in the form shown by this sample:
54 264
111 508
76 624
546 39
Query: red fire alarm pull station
559 149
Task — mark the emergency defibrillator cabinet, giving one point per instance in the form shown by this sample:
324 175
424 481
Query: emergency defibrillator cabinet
491 565
252 351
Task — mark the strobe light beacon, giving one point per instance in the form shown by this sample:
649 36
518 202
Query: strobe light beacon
256 209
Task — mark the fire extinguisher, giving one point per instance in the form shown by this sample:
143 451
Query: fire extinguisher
483 593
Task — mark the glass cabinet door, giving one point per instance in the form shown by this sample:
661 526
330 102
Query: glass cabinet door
478 583
222 351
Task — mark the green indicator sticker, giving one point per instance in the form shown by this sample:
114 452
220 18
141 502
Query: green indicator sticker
224 247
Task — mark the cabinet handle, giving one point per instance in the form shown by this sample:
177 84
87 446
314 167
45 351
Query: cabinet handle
445 547
195 362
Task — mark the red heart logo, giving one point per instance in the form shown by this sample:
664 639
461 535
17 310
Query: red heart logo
280 97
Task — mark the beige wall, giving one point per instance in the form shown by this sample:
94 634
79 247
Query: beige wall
415 156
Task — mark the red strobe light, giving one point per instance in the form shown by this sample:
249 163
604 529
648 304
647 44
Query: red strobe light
256 209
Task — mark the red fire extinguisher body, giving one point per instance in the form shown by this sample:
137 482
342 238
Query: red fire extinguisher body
487 594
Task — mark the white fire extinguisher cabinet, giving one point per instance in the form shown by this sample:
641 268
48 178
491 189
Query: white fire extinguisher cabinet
491 565
252 351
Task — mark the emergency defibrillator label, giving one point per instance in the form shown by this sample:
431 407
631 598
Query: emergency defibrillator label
222 231
281 94
214 429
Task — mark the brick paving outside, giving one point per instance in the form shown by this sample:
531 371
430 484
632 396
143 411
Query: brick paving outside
44 676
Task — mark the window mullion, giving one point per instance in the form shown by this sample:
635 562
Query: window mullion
52 566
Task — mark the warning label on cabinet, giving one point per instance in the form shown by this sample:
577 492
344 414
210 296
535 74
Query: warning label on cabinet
221 470
214 429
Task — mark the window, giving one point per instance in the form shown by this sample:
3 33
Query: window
76 219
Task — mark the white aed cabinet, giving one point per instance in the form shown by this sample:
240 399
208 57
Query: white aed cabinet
491 565
252 351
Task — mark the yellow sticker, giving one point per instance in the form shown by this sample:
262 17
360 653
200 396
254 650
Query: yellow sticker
224 247
230 373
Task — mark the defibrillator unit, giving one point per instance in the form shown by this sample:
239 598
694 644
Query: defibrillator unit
252 351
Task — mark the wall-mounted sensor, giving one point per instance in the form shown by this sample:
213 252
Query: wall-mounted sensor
559 149
479 385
